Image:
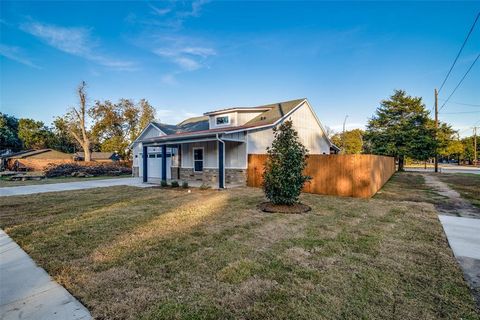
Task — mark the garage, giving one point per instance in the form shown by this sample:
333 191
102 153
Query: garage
154 161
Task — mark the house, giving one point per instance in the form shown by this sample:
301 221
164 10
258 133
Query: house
98 156
214 148
35 160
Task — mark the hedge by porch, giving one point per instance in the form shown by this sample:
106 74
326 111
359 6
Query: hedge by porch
352 175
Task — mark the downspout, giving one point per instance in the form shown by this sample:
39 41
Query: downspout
221 173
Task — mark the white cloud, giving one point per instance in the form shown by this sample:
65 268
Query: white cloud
169 79
75 41
16 54
187 57
187 64
159 11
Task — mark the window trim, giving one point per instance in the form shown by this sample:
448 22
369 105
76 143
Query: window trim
203 158
222 124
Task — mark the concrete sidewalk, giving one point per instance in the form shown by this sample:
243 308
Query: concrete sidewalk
65 186
463 235
28 292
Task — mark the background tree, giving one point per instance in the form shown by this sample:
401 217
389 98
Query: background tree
449 145
147 114
34 134
9 133
468 153
63 139
117 125
76 120
401 127
350 142
283 178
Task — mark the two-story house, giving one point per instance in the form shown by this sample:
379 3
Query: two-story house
214 148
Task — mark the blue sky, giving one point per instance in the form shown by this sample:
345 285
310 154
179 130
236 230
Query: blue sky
187 58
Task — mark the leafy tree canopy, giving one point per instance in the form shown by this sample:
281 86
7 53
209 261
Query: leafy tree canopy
350 142
401 127
34 134
9 133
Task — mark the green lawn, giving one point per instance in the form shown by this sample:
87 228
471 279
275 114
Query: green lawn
130 253
4 182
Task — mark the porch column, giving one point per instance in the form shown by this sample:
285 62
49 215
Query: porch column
145 163
221 164
179 151
164 163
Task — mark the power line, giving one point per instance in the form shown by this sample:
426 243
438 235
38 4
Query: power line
459 52
460 82
463 104
459 112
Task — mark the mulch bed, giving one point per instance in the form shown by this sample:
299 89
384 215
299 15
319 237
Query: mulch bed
276 208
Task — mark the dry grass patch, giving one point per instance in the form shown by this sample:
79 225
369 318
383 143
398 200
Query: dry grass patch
468 185
131 253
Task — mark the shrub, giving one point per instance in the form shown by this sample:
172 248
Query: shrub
204 186
163 183
283 177
175 184
69 169
184 184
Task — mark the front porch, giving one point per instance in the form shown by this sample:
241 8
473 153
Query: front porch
216 161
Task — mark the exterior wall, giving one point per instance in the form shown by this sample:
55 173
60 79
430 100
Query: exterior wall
209 154
235 155
244 117
233 120
309 132
210 176
237 118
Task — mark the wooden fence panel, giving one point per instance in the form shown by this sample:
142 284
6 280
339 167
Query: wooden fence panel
358 175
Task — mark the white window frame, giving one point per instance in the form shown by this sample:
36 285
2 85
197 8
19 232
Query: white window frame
222 124
203 158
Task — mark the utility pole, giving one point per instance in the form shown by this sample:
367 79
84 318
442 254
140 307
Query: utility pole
475 145
436 129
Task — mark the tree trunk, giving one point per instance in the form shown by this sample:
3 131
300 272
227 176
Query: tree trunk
425 165
87 153
401 160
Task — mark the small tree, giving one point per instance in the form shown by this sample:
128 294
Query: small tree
283 177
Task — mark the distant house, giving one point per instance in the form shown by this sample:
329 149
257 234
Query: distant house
34 160
214 148
98 156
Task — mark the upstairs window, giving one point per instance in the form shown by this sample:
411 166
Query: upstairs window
222 120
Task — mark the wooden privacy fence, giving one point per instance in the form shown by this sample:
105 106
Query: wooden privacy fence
349 175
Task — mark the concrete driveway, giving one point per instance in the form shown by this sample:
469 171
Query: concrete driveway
65 186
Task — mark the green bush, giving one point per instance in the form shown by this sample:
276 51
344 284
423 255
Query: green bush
164 183
175 184
204 186
283 177
184 184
